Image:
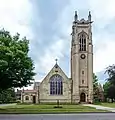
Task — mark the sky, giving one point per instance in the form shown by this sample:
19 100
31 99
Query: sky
48 25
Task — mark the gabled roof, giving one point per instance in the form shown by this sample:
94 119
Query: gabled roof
55 70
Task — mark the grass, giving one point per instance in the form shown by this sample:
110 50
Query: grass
47 109
108 105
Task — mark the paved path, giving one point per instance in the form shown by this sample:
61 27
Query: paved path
100 107
8 104
88 116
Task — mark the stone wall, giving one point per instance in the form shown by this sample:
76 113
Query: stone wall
45 88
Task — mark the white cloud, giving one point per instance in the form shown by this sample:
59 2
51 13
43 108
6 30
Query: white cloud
102 11
47 61
15 16
104 55
104 42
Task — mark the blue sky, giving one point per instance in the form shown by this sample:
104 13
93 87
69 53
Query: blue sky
47 24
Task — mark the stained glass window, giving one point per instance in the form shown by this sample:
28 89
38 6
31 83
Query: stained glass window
56 85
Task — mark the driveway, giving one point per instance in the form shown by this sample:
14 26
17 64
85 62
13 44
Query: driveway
100 107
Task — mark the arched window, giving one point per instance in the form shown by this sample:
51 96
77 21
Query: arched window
27 98
82 42
56 85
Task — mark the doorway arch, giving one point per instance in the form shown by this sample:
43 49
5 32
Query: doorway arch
34 99
82 97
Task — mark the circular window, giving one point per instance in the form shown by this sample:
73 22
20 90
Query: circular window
83 56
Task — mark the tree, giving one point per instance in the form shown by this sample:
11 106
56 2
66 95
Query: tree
7 96
106 87
109 87
95 81
111 73
95 87
16 67
111 92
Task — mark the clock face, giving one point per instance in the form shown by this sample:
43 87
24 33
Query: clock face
82 56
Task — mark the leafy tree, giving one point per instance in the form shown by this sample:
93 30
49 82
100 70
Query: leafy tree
106 87
7 96
16 67
111 92
109 87
95 81
111 73
95 86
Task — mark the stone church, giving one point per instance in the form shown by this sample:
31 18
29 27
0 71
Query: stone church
56 85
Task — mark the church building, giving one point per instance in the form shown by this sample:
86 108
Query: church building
56 85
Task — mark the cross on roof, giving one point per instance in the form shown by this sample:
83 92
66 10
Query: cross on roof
56 60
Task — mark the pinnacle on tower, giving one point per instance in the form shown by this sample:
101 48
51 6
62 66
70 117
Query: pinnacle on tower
89 16
76 16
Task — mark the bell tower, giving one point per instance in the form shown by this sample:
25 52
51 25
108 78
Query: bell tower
82 60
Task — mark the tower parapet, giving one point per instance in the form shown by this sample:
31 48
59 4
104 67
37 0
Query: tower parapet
82 20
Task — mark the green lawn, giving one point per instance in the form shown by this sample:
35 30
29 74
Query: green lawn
108 104
47 109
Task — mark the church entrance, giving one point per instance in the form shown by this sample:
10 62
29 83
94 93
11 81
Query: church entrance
82 97
34 99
